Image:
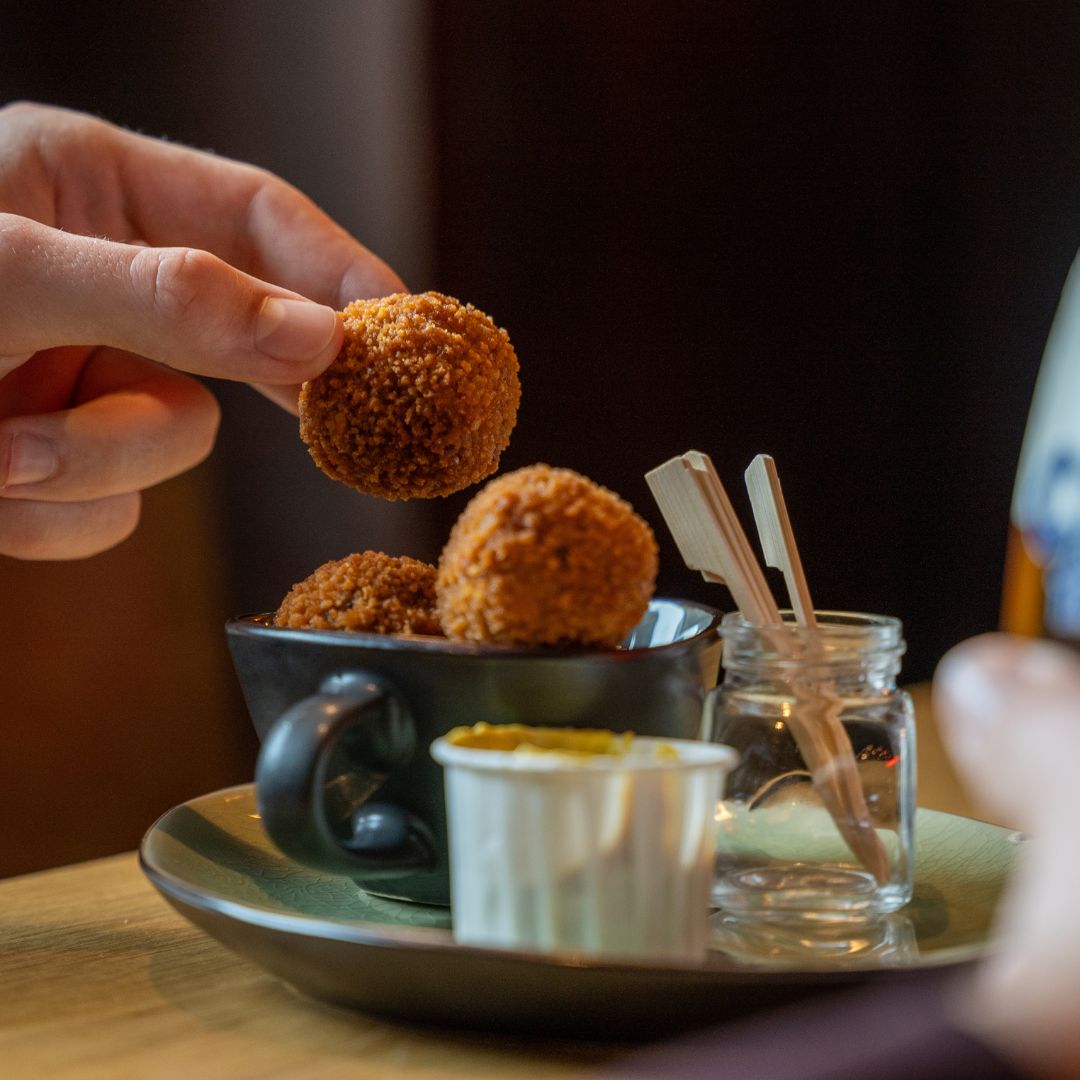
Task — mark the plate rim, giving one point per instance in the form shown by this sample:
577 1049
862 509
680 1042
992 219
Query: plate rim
716 967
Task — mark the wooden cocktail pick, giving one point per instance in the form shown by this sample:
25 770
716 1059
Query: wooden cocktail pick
708 534
776 535
711 540
781 552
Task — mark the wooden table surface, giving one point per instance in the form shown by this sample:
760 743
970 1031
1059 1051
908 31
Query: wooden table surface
100 978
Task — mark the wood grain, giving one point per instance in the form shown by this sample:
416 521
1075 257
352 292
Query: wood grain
99 978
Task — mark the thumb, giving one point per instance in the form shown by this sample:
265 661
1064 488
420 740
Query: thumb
1009 711
183 307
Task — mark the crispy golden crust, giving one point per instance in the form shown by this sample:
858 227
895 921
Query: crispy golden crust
544 556
420 401
373 592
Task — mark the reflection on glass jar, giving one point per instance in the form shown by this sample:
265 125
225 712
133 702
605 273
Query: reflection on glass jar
784 852
885 941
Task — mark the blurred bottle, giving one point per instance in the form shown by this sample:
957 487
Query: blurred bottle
1041 593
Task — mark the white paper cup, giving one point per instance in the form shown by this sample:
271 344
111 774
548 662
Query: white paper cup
609 854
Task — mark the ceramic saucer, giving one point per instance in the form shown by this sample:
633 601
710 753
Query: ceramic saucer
212 861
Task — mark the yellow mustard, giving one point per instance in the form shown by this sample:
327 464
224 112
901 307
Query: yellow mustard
586 742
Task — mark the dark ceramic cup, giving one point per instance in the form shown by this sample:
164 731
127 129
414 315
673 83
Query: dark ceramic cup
344 781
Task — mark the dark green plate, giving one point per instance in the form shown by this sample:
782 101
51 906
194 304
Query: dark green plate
212 861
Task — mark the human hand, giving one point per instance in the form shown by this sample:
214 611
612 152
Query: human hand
125 261
1009 709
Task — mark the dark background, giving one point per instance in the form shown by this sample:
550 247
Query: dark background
832 232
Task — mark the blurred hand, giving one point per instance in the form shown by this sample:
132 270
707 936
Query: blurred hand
125 261
1009 709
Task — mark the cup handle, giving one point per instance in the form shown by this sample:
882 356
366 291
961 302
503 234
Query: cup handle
318 767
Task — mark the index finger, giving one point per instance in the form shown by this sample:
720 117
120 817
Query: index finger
174 196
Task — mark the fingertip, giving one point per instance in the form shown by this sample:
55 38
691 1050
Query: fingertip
112 520
29 459
50 532
962 686
127 510
305 335
993 678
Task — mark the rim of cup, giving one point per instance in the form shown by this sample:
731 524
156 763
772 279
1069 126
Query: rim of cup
641 757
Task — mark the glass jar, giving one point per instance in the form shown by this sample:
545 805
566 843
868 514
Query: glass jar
805 833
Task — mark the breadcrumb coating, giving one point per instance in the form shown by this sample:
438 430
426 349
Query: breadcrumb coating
544 556
420 402
372 592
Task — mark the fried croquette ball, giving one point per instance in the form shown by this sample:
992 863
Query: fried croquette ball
420 401
544 556
373 592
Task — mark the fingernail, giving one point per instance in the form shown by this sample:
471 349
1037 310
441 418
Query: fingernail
31 459
294 329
